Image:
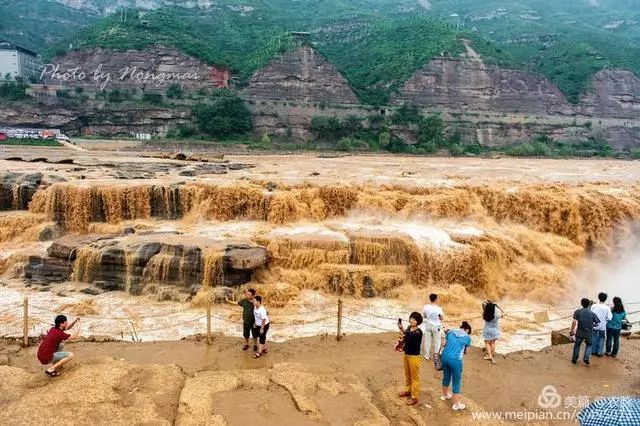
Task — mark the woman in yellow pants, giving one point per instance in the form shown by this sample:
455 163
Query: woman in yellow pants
412 358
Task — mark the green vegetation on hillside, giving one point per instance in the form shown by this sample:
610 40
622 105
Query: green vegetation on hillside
12 90
567 41
385 53
376 44
36 24
224 117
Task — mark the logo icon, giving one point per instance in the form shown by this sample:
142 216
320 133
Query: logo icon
549 397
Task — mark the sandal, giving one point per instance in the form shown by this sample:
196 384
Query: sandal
404 394
257 355
245 347
53 373
412 401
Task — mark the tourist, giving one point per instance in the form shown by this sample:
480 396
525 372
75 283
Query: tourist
454 347
50 350
261 325
412 343
433 317
604 314
248 319
491 330
614 325
582 326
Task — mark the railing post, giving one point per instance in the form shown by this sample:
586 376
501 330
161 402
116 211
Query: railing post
339 335
208 322
25 322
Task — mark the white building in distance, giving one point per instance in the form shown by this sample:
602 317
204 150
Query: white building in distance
18 62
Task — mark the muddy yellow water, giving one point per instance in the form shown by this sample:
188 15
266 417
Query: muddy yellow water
393 228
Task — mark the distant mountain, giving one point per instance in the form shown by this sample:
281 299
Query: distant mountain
376 44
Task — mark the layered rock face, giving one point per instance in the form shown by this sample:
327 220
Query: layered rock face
613 93
302 75
133 263
17 189
151 69
96 118
464 85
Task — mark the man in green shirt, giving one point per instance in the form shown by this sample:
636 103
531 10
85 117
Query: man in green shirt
248 319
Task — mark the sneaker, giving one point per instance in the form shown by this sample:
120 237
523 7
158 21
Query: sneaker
574 361
587 362
607 354
459 406
426 357
486 357
444 398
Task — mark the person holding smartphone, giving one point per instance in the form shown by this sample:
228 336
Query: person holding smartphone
50 350
412 358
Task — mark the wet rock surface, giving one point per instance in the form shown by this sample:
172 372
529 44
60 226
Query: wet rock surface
17 189
45 270
67 247
133 262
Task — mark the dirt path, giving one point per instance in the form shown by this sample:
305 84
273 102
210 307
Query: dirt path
514 384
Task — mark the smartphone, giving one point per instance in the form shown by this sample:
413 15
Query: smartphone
399 321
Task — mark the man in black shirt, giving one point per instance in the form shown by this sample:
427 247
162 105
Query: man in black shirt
582 328
248 319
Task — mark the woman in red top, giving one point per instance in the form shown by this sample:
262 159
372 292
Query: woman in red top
50 350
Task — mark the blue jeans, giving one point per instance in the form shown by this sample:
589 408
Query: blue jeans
613 336
598 342
587 349
452 369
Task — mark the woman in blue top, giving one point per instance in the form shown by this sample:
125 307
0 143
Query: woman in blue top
454 346
614 325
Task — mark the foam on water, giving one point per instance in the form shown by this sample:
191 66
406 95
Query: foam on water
122 316
308 229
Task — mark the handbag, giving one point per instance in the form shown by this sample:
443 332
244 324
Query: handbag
399 347
437 362
626 325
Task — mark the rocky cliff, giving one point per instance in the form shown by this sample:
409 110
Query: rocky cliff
471 85
613 93
152 69
95 118
300 75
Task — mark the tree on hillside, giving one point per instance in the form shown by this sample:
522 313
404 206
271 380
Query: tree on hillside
226 116
12 90
431 132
